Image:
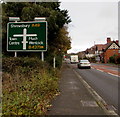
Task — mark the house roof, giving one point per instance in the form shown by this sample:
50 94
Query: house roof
90 50
100 47
104 47
109 44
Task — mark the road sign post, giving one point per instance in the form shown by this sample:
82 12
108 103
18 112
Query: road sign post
42 55
54 62
27 36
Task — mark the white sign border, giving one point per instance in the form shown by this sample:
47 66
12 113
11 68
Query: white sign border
28 50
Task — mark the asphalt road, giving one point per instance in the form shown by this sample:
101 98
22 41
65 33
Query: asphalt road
104 84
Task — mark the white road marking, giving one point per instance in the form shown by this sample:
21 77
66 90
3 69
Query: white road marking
113 74
106 72
97 97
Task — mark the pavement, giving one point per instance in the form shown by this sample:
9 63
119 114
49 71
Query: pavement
74 98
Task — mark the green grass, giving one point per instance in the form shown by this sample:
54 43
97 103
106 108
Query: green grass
29 85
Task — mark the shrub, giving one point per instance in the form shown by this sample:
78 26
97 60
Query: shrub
118 60
112 59
58 60
28 86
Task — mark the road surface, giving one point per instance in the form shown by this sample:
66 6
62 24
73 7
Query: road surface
101 80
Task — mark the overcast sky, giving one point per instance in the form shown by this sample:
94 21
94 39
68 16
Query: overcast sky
92 22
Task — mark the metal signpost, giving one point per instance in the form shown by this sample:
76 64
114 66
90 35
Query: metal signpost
27 36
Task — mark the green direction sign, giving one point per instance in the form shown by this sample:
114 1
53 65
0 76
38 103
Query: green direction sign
27 36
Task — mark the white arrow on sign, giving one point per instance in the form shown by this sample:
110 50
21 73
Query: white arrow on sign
24 35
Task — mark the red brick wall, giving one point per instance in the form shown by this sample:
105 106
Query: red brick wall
109 53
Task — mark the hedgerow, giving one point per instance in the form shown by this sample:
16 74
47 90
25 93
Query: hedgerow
29 85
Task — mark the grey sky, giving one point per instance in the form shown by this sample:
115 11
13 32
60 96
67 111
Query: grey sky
91 22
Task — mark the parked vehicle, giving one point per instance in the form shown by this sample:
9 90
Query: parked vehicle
74 59
84 64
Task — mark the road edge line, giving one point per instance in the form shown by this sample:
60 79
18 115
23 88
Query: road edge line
96 96
106 72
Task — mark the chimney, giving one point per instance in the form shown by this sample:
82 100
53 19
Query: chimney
108 40
117 41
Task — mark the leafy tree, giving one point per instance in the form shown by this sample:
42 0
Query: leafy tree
58 39
63 40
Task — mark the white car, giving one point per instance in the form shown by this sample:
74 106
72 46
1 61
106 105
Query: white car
84 64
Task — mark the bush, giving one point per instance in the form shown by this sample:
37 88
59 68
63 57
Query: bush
118 60
28 86
112 59
11 63
58 60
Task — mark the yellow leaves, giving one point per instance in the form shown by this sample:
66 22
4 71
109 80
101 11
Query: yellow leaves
20 113
40 109
49 105
58 93
0 114
13 113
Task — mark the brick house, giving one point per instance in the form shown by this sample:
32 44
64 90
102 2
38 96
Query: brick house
102 52
110 49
